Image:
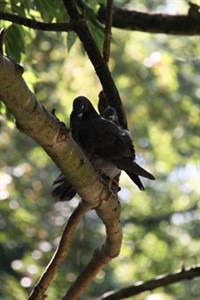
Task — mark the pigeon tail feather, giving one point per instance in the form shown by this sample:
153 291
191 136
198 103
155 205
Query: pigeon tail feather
135 178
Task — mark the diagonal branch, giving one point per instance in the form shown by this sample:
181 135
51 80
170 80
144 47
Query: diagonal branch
60 254
153 22
81 29
33 119
107 33
30 23
158 281
104 254
103 101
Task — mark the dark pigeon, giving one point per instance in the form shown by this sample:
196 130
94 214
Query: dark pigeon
102 166
62 189
84 121
111 114
107 140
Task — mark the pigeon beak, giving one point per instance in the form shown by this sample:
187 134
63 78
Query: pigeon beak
80 115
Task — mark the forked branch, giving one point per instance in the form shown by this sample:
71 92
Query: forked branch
80 27
32 119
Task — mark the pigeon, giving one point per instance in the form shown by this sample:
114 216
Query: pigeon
111 114
104 168
107 140
101 139
62 189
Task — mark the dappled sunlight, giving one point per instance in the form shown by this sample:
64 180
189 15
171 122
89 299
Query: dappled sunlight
5 180
157 76
156 296
26 282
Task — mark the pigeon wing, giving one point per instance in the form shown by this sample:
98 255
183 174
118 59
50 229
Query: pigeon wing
105 139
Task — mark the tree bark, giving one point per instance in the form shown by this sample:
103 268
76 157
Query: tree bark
158 281
109 87
154 23
34 120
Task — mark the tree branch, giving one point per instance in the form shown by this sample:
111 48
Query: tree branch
102 256
103 101
107 33
155 23
158 281
38 293
30 23
81 29
2 33
32 119
126 19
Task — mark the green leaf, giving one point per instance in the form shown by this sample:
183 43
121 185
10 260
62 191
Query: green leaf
4 112
96 28
2 4
45 9
18 7
51 9
14 42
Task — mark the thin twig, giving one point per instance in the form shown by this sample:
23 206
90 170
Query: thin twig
158 281
2 34
107 32
40 288
80 27
103 101
30 23
109 213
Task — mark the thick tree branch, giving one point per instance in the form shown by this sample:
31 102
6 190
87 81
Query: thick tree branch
155 23
32 119
158 281
81 29
30 23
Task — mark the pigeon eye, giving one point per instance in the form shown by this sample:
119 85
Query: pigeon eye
82 107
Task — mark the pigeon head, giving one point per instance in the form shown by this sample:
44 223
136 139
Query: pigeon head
82 107
111 115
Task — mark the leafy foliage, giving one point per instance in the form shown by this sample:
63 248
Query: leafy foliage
14 42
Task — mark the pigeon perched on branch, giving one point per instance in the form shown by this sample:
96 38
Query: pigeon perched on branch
107 140
110 114
106 144
62 189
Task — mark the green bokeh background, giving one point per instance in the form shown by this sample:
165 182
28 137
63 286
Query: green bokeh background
158 79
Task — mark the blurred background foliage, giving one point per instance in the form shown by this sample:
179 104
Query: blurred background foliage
158 79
